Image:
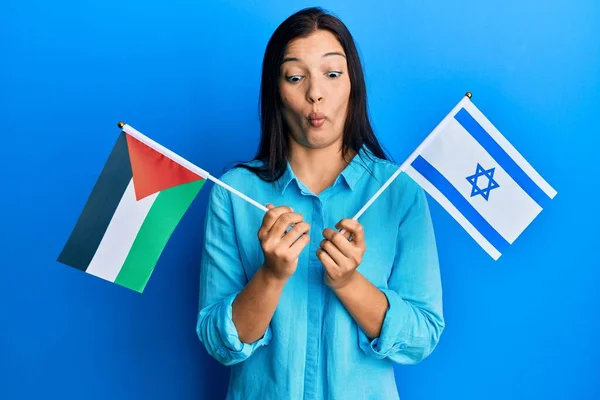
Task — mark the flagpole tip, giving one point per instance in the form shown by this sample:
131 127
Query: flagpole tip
469 94
121 124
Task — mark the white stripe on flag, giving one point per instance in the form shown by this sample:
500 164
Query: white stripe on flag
449 207
510 149
120 234
455 154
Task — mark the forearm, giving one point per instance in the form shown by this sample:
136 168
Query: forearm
254 307
365 302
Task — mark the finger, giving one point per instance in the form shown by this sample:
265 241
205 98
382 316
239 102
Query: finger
299 245
330 266
269 219
333 252
355 228
272 215
293 234
339 240
283 222
346 234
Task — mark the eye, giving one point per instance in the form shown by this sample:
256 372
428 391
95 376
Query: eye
293 78
334 74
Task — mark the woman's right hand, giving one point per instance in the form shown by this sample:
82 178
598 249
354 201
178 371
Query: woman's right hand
282 249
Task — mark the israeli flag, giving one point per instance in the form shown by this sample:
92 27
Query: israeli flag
470 168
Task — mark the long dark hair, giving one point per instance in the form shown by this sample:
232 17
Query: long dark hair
273 147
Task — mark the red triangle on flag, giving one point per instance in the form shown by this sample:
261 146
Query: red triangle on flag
153 171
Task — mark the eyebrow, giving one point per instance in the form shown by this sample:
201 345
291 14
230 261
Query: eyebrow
331 53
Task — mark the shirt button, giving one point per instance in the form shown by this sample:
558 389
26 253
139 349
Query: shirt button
403 346
221 352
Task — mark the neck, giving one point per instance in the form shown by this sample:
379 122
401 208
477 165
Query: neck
317 168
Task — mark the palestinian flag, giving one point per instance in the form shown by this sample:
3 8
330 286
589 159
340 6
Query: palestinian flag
134 207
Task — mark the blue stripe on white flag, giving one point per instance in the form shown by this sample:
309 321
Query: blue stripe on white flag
462 205
471 125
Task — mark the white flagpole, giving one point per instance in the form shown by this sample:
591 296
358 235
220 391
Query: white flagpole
195 169
412 157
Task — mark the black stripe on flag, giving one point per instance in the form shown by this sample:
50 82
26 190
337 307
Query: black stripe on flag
99 209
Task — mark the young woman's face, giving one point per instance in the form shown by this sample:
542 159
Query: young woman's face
315 89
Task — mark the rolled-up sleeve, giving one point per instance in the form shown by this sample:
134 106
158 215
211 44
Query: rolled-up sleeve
414 320
222 278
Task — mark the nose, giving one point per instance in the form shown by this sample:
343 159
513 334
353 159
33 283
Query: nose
314 94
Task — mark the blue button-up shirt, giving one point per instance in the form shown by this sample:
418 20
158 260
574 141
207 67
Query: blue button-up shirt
313 348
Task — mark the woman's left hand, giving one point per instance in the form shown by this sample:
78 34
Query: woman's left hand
340 256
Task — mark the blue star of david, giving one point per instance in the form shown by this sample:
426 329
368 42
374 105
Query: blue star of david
492 184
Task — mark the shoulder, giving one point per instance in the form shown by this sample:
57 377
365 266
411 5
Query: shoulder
239 178
403 194
240 175
403 187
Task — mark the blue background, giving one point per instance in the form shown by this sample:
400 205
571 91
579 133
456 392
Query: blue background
187 74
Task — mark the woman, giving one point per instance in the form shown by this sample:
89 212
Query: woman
299 310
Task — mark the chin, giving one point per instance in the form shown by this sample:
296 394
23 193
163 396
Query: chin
319 142
317 139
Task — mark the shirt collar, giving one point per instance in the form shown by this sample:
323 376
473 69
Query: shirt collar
351 174
286 178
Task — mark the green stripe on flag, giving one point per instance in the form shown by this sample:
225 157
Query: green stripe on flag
166 212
